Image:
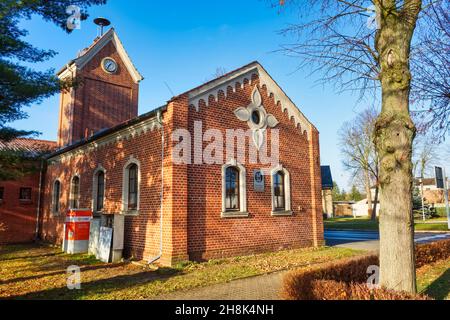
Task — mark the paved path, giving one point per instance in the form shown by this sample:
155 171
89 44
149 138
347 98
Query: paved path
265 287
369 240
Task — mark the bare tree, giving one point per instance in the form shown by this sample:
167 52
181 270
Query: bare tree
430 65
220 71
425 154
336 39
360 155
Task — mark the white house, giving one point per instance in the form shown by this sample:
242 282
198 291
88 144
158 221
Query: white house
361 208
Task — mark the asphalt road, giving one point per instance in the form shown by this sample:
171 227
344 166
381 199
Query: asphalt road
369 240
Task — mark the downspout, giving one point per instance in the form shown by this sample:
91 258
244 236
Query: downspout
160 121
38 210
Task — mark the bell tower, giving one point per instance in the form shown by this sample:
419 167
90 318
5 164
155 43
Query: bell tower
106 93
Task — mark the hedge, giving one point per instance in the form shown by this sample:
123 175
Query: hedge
346 279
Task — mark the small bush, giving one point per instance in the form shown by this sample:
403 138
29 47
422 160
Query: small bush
432 252
346 279
299 284
334 290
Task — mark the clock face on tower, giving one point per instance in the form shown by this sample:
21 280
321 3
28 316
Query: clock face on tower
109 65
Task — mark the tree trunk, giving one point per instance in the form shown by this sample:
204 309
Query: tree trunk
394 135
368 191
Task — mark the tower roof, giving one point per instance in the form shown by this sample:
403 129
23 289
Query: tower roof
88 53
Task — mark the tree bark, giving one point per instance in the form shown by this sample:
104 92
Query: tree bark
394 135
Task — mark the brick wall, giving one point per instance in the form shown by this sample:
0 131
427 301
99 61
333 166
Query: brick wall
101 101
18 218
209 235
142 231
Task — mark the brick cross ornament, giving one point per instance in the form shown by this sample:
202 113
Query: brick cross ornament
257 118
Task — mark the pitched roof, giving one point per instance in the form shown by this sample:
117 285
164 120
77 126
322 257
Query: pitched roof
107 132
31 147
426 181
327 178
88 53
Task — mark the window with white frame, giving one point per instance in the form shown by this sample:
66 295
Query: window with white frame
234 190
74 199
98 195
56 197
131 187
281 191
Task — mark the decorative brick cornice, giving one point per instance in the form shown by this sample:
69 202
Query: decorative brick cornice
247 74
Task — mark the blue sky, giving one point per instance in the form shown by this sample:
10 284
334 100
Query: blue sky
184 46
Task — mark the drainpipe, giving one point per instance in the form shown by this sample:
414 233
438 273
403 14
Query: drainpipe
38 210
160 121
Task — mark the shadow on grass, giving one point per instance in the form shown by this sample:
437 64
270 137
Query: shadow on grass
18 249
440 288
60 272
37 256
99 287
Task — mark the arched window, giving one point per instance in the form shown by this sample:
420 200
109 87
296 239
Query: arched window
56 197
232 189
99 191
234 193
281 192
131 187
74 198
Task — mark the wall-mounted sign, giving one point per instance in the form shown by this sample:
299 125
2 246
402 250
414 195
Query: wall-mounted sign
258 181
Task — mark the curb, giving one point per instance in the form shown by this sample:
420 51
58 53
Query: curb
433 231
350 230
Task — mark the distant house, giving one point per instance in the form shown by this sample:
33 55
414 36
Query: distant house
361 208
327 191
343 208
431 194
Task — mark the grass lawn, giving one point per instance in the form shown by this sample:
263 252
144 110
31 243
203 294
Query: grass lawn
351 224
33 272
367 224
434 280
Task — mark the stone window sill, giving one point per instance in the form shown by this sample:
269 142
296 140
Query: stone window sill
234 214
131 213
282 213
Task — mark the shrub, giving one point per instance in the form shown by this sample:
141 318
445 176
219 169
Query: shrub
432 252
299 284
334 290
346 279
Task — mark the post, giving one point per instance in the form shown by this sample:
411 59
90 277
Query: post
447 207
423 202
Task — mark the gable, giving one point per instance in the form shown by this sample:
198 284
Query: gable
243 75
89 53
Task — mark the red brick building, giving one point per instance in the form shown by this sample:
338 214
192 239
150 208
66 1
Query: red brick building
196 178
19 199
